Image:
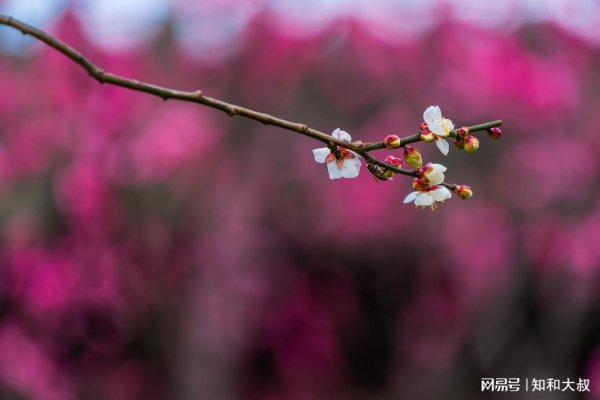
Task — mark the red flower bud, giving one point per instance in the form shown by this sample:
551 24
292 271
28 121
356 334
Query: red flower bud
464 191
427 136
471 144
391 141
494 133
395 161
413 157
462 132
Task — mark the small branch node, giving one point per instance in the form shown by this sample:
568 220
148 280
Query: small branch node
98 74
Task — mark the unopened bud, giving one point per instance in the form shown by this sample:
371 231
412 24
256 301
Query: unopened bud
413 157
464 191
427 136
462 132
394 161
471 144
391 141
494 133
459 144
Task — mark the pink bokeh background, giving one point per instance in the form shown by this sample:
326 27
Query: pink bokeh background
163 250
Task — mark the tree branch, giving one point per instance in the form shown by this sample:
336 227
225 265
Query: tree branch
230 109
166 93
417 136
198 97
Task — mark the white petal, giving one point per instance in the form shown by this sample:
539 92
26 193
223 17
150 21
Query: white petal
435 174
432 114
447 125
334 171
351 168
438 167
424 199
435 178
443 146
340 134
441 194
436 128
411 196
321 154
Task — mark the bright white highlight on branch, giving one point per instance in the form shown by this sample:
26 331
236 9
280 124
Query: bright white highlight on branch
439 126
346 165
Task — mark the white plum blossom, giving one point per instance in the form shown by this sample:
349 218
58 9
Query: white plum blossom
427 196
428 187
439 126
346 166
433 174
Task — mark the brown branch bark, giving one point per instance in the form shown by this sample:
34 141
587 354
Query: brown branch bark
166 93
230 109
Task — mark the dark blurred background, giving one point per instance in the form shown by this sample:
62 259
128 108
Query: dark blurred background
162 250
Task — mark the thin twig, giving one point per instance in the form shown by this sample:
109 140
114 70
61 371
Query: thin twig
230 109
417 136
166 93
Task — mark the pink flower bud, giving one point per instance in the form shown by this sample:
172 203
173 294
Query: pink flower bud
464 191
494 133
471 144
391 141
427 136
413 157
395 161
462 132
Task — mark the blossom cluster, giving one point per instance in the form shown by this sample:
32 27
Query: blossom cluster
428 183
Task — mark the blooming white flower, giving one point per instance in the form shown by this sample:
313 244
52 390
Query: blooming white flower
347 166
433 174
428 196
439 126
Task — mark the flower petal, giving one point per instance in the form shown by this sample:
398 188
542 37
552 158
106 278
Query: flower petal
438 167
437 129
424 199
432 115
340 134
321 154
411 197
442 145
440 194
448 125
434 173
351 168
334 171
